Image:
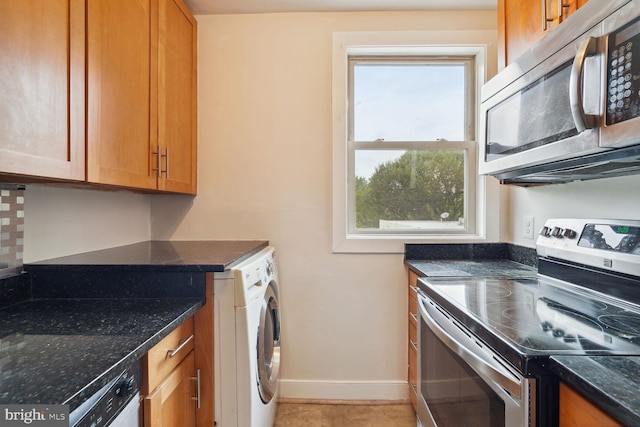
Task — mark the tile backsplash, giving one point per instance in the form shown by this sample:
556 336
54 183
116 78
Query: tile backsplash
11 229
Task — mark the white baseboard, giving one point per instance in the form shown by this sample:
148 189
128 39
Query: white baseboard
344 390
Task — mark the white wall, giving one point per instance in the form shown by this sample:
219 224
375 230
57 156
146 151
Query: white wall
604 198
61 221
264 171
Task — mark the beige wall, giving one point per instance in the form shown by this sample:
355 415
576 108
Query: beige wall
603 198
60 221
264 171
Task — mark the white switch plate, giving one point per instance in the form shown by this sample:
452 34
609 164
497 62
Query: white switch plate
527 226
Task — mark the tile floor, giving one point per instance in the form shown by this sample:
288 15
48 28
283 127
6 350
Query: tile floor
325 415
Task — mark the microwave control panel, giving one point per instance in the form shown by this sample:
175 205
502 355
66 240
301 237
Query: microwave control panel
623 74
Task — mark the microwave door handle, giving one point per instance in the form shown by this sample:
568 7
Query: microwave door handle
512 386
582 120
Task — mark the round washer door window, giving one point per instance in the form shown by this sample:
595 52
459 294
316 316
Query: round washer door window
269 345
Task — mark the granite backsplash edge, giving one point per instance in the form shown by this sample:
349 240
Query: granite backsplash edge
471 251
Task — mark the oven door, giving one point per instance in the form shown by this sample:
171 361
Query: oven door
462 381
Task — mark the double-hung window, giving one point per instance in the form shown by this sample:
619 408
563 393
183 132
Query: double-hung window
405 141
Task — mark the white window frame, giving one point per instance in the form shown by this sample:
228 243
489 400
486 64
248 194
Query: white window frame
346 45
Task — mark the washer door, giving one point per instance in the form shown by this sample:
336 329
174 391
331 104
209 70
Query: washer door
269 345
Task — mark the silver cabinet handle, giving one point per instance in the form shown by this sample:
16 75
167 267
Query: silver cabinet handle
414 289
414 316
158 167
174 352
545 18
197 380
414 344
166 156
582 120
561 7
166 162
481 366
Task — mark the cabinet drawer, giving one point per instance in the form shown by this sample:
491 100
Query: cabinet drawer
413 336
413 396
166 355
173 402
413 307
413 297
413 367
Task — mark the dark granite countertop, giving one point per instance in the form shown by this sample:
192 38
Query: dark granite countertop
610 382
162 255
466 268
69 325
466 260
64 350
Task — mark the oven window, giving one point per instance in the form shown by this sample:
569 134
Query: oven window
453 392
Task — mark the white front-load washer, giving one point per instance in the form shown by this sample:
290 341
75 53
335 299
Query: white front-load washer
247 342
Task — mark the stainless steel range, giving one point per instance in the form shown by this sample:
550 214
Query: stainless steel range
485 342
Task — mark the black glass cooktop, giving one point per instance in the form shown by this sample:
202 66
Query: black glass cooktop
528 320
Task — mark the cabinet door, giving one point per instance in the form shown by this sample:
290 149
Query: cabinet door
177 96
171 404
42 88
577 411
521 23
204 351
120 118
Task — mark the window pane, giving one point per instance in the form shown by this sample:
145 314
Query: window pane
409 189
408 102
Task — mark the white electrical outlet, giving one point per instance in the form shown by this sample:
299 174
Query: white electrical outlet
527 226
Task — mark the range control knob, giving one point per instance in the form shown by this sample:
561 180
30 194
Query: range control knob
557 232
545 231
569 233
125 387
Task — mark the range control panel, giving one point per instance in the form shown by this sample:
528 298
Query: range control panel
602 243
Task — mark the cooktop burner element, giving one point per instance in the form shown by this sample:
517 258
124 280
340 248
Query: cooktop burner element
628 325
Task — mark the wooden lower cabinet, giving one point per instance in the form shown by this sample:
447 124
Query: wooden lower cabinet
577 411
412 370
203 331
179 370
170 387
172 403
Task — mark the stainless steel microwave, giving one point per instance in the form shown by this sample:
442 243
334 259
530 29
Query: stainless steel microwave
569 108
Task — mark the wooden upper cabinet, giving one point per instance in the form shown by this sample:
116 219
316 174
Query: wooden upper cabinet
141 94
521 23
177 97
119 113
42 88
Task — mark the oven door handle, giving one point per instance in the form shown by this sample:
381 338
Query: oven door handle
483 367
